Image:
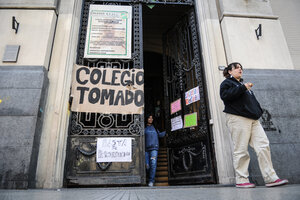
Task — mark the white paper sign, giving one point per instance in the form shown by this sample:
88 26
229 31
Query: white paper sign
192 96
176 123
114 149
109 32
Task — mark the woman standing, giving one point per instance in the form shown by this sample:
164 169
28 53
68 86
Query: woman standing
152 146
242 114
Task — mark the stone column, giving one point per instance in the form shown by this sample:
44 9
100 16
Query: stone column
214 56
51 160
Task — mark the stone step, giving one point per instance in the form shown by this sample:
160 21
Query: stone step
162 160
162 164
161 173
162 156
161 184
162 168
163 151
161 179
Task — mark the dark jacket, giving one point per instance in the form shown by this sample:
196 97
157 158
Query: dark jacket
238 100
151 138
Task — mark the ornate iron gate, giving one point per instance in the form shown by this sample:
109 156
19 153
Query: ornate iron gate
190 157
189 149
81 166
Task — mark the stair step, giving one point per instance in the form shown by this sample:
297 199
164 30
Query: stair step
162 156
162 173
162 152
162 160
161 179
162 168
162 164
161 184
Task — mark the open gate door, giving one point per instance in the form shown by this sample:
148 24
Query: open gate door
189 137
86 127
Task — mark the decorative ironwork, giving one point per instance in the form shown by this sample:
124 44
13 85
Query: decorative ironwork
105 124
189 148
112 124
164 2
85 151
102 165
187 159
86 126
183 71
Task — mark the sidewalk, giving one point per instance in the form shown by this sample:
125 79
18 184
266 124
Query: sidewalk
205 192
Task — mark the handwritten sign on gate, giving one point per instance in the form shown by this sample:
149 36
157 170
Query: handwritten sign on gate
176 123
114 149
175 106
107 90
192 96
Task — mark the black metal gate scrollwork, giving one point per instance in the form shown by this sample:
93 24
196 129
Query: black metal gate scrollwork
81 166
189 149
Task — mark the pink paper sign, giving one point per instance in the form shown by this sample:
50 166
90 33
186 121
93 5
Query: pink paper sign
175 106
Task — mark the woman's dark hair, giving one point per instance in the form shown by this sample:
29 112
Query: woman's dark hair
229 67
146 120
147 116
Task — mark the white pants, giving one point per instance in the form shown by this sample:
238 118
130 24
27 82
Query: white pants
245 131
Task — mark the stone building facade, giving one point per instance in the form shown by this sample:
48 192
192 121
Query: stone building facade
35 87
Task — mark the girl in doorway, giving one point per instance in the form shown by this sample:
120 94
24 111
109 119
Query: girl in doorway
152 146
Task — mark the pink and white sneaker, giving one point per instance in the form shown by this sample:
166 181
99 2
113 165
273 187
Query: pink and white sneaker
245 185
278 182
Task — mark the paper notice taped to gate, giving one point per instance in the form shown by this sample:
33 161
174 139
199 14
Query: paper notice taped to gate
109 32
176 123
107 90
114 149
192 96
190 120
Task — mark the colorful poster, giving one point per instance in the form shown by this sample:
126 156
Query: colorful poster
190 120
175 106
192 96
114 149
109 32
176 123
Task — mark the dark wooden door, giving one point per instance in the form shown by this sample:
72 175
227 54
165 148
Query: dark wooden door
189 149
85 127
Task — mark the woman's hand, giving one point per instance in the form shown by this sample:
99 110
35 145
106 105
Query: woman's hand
248 85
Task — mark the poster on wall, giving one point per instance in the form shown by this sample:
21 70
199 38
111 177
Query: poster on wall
176 123
190 120
107 90
175 106
114 149
192 95
109 32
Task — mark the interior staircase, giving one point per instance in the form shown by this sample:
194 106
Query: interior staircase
161 176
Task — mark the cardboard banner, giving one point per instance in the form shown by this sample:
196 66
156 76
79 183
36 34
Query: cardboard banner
109 32
115 149
107 90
